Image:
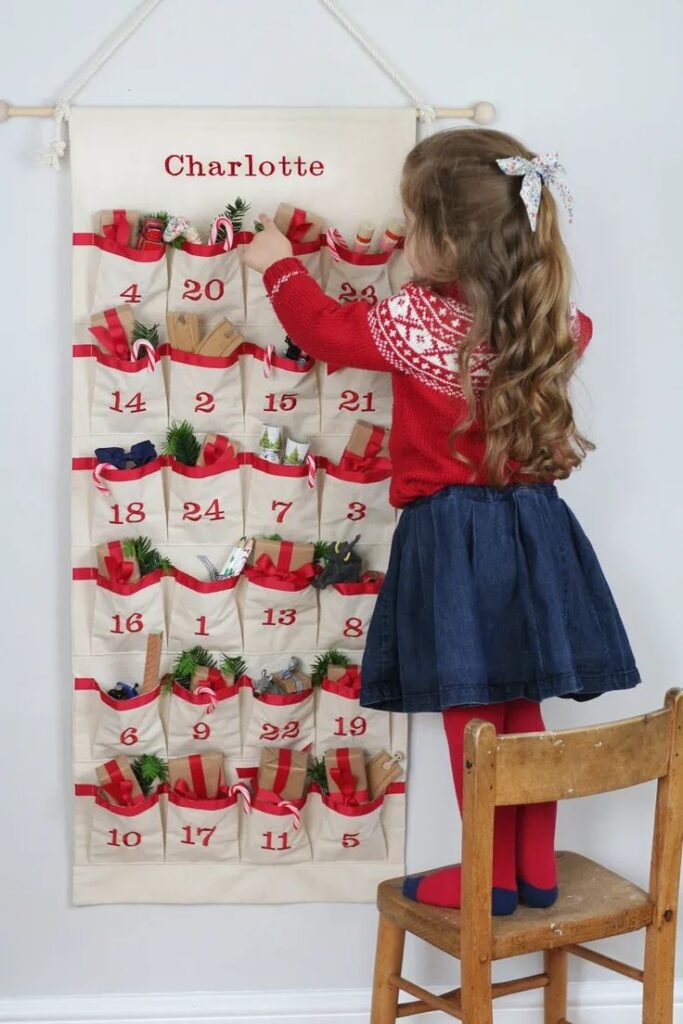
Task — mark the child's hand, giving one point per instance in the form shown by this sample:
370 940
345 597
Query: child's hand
267 246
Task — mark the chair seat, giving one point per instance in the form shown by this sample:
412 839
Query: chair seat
593 903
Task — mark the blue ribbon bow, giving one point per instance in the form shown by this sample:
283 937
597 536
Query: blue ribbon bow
140 454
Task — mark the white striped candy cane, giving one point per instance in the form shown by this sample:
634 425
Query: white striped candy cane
211 706
294 810
222 222
145 346
97 476
334 237
245 792
268 361
310 462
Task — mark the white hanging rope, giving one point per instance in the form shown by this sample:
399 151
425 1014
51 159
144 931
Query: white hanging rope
52 156
425 112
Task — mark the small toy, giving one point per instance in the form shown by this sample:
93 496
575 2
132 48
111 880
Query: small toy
124 691
342 565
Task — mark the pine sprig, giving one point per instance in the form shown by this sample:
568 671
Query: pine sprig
144 333
182 443
233 665
147 769
149 558
317 774
322 552
323 662
236 211
187 661
258 226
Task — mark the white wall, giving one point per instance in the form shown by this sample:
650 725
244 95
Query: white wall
600 81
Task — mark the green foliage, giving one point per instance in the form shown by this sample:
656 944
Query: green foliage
148 769
322 552
273 536
236 212
141 332
233 665
182 443
149 558
316 773
258 226
187 661
323 662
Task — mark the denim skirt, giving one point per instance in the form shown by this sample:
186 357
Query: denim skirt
492 594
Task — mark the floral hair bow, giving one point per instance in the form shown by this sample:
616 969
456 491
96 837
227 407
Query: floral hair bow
542 170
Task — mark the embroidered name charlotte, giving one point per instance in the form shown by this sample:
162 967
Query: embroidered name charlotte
248 166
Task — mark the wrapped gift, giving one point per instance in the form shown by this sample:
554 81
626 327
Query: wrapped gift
221 341
365 446
347 676
118 784
116 566
183 331
206 677
292 679
282 774
198 777
217 448
120 226
382 769
281 559
113 331
298 225
151 675
346 776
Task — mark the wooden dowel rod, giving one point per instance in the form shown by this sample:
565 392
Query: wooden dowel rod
606 961
507 988
449 1006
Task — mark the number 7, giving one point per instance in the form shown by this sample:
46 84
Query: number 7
285 505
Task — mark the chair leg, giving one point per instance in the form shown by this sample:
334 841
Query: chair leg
658 975
555 993
388 961
476 992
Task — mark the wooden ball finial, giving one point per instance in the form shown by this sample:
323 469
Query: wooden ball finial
483 113
4 111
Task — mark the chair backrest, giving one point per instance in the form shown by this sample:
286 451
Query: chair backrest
540 767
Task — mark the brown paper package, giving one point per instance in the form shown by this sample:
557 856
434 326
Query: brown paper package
103 777
296 780
211 439
125 316
357 765
212 766
302 554
283 217
133 218
360 435
102 552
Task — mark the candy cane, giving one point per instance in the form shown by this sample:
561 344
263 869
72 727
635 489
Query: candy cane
243 789
211 706
141 345
334 238
97 476
310 462
296 813
222 222
268 360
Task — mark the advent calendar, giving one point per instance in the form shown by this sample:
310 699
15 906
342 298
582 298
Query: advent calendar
152 533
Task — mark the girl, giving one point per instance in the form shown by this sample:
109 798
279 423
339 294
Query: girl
494 599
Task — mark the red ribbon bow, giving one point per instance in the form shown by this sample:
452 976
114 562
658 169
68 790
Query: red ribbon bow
120 569
119 231
298 226
370 456
113 336
216 451
121 792
342 775
199 789
350 679
183 790
265 569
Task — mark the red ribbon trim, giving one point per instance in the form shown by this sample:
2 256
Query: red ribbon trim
119 231
119 568
265 570
113 336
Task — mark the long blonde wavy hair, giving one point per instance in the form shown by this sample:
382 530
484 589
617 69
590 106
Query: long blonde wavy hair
468 225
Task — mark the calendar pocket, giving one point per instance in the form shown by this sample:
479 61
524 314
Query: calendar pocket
208 281
124 500
136 276
280 615
124 613
129 396
356 277
280 720
281 500
345 613
200 723
207 391
260 311
341 721
204 613
130 727
202 831
274 833
357 502
349 395
126 835
205 503
281 393
350 833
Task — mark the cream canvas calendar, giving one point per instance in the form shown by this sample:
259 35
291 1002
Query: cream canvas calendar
168 847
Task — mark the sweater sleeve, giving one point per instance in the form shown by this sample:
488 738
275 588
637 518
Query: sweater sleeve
333 331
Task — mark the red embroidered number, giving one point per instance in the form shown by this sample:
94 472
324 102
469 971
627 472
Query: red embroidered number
284 505
347 293
129 736
356 511
353 627
350 839
201 731
133 624
350 402
212 290
202 631
268 845
204 834
127 839
134 404
271 732
193 512
286 617
131 294
281 403
205 402
135 513
356 727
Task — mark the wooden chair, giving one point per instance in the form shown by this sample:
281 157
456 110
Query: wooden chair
594 902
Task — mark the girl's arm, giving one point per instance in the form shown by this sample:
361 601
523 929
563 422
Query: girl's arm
337 332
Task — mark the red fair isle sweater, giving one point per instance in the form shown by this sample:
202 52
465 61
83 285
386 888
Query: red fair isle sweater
414 336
